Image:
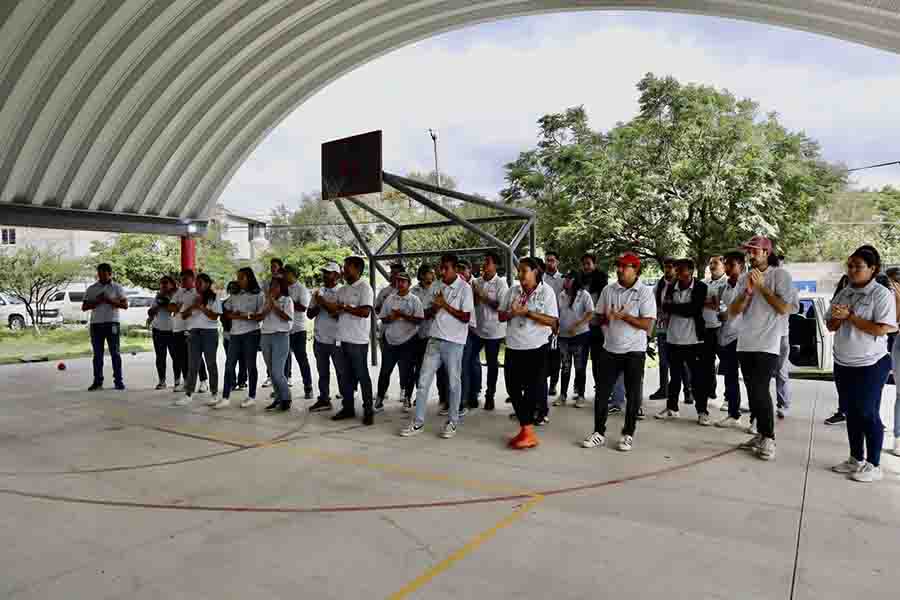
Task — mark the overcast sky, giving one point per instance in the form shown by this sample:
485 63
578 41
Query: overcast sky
483 88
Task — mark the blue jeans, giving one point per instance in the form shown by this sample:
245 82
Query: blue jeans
860 389
298 348
491 355
471 372
665 366
782 375
731 373
276 349
325 354
449 355
573 350
353 372
106 334
241 349
895 355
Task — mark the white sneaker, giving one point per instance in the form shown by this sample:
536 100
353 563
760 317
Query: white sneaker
248 403
729 423
867 474
580 402
704 420
213 400
177 387
752 444
223 403
449 431
183 401
412 429
625 444
896 450
595 440
752 430
267 383
290 382
849 466
560 401
766 450
204 387
666 414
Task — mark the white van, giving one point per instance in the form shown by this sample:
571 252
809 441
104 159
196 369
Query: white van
68 303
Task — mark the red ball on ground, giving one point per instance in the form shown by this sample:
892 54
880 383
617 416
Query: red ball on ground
61 366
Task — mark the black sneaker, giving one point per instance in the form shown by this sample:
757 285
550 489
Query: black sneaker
640 415
379 405
308 394
284 407
343 415
274 406
541 421
95 386
369 419
836 419
320 406
552 391
120 386
659 394
688 398
614 409
489 404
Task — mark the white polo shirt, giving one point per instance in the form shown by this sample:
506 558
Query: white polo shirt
445 326
683 330
401 331
300 295
713 289
426 297
637 301
555 281
523 333
104 313
728 333
761 327
569 314
489 325
274 323
353 329
852 346
198 318
326 327
163 319
245 303
383 294
182 298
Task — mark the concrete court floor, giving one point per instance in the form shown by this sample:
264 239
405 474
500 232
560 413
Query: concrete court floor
116 495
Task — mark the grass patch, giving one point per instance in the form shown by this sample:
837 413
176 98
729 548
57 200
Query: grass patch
63 342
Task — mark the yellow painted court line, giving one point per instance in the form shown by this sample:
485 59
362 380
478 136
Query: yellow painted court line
466 550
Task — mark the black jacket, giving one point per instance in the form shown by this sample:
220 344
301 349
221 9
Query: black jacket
691 310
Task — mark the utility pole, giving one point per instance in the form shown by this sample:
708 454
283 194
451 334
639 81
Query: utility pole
437 171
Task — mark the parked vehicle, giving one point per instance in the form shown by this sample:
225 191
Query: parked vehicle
14 315
812 345
68 302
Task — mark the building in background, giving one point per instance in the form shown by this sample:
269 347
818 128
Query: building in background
73 244
246 233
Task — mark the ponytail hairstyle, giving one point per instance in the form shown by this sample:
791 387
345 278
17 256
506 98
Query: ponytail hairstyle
577 286
209 294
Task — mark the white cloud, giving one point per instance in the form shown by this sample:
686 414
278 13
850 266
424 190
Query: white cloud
485 96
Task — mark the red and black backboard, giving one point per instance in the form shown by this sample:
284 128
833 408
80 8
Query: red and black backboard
351 166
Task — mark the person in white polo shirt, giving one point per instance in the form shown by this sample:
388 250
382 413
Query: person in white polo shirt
470 372
301 297
711 311
763 300
531 313
325 347
163 337
401 314
202 317
104 299
488 291
354 310
576 308
243 308
181 299
862 315
424 291
277 322
554 279
684 301
452 307
627 309
728 337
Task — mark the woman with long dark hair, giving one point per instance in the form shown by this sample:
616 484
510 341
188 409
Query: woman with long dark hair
531 310
861 315
575 311
243 309
163 336
277 321
202 319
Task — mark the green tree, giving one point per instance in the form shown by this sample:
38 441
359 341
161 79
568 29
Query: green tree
139 260
308 259
34 275
216 257
695 172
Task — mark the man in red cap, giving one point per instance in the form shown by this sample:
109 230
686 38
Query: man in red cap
763 299
626 309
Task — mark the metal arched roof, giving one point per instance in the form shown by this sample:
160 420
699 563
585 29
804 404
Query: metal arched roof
148 107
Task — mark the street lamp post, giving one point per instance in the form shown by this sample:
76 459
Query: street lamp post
437 171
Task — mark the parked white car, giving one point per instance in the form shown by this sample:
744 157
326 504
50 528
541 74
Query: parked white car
13 313
812 345
68 303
